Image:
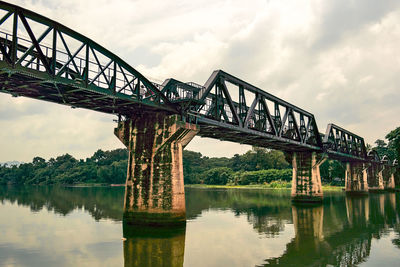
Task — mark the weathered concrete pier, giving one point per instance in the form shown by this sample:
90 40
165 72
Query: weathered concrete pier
306 177
356 178
155 193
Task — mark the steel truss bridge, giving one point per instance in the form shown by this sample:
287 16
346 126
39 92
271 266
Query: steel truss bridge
42 59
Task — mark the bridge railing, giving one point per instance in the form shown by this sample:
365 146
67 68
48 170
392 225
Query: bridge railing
33 62
177 91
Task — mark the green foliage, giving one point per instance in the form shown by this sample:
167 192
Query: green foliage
280 184
262 176
394 143
102 167
257 166
332 172
394 149
259 159
218 176
195 165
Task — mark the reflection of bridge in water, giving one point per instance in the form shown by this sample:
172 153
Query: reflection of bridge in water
337 233
42 59
324 235
346 241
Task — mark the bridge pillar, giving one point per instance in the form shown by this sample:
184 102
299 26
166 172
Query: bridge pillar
379 178
154 191
356 178
388 174
306 179
375 178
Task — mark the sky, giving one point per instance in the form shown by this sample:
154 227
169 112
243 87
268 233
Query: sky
337 59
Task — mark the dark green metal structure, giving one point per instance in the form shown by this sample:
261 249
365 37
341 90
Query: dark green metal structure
42 59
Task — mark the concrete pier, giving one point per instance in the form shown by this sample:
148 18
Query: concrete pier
356 178
154 192
306 179
375 178
388 178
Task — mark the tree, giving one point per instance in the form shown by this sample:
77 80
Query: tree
381 147
39 162
394 142
218 176
193 165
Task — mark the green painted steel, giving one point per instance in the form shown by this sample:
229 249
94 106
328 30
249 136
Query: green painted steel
40 58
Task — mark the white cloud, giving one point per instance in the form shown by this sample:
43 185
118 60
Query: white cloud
336 59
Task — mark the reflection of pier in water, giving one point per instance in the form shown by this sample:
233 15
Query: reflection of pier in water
99 202
344 244
339 232
153 247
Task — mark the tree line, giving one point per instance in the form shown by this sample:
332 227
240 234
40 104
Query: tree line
257 166
103 167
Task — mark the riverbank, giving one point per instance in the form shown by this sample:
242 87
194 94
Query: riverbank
258 186
94 185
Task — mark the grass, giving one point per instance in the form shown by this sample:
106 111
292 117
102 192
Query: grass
255 186
273 185
87 185
332 188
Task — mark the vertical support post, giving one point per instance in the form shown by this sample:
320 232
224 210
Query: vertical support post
137 90
54 51
242 104
86 70
375 177
364 182
306 179
14 38
390 184
356 178
154 192
380 178
113 84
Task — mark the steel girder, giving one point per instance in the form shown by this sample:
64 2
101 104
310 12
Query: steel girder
42 59
251 122
340 143
255 117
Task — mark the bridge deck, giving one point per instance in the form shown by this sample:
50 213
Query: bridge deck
34 84
229 132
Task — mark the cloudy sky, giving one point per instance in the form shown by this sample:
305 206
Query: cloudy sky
337 59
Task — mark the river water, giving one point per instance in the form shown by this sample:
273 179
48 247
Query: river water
61 226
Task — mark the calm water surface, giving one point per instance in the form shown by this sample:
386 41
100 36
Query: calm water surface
53 226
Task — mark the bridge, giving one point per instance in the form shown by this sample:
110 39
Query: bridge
42 59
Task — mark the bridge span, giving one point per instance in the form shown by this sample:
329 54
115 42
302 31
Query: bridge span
42 59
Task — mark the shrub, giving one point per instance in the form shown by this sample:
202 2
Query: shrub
217 176
263 176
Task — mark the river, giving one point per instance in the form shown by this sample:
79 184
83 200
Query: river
83 226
